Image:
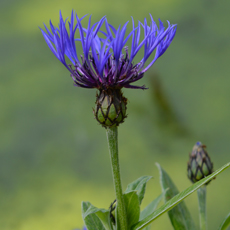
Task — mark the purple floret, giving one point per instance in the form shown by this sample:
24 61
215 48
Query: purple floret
106 62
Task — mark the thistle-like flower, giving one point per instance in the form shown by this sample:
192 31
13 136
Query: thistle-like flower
106 63
199 165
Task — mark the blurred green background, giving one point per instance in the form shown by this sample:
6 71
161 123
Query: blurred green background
53 154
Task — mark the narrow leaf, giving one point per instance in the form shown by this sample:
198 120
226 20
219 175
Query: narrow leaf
94 221
151 207
179 215
225 223
176 199
139 186
132 208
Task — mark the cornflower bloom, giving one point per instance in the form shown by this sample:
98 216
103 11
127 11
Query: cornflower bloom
106 63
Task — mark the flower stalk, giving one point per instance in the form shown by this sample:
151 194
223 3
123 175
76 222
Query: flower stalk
121 221
201 193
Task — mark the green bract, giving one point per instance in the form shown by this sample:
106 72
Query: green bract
110 108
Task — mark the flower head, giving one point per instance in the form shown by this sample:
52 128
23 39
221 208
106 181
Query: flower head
106 62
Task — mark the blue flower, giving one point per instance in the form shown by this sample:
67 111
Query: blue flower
106 62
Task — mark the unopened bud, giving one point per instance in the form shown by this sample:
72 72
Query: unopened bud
199 165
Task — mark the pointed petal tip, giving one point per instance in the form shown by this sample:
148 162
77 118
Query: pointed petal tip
60 14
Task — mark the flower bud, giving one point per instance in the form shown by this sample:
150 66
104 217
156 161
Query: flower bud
112 208
199 165
110 108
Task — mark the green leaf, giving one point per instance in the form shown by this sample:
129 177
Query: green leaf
95 218
225 223
150 209
139 186
132 208
176 199
179 215
105 219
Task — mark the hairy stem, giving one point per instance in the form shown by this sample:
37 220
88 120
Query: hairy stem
113 150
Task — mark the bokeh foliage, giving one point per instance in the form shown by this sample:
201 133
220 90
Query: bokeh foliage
53 154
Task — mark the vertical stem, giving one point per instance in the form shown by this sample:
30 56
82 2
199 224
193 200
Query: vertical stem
113 150
201 192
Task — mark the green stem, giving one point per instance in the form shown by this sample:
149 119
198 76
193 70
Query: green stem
201 192
113 149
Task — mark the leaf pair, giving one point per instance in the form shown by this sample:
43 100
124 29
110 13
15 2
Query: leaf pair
134 195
